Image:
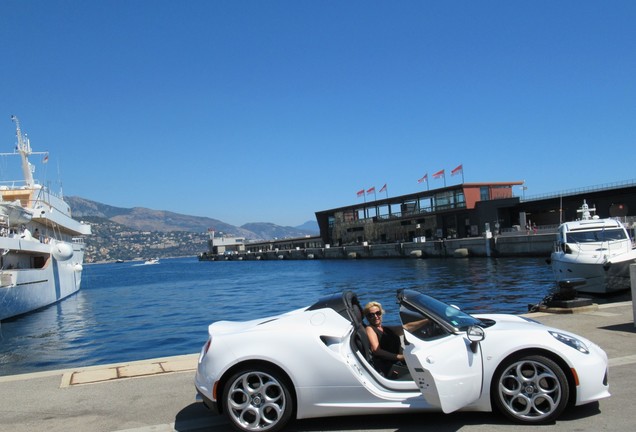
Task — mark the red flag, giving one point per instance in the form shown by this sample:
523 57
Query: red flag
383 188
438 174
425 178
371 190
457 170
46 158
360 193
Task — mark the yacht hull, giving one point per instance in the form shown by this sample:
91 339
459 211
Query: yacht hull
600 277
26 290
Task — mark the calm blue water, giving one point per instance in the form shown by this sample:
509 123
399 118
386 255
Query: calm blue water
129 311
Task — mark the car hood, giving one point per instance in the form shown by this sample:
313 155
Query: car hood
510 322
505 323
502 317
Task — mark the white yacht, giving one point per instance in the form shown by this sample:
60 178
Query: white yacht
596 250
41 245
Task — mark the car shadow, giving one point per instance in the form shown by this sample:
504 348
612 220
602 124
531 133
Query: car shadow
195 417
627 327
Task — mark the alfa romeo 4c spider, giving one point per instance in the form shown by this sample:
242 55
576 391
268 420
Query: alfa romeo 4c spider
316 362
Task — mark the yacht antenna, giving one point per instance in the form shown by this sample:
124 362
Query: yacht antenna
59 176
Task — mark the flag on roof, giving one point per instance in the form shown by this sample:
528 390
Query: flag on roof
383 188
438 174
371 190
457 170
360 192
425 178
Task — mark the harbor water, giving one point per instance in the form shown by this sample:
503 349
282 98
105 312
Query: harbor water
131 311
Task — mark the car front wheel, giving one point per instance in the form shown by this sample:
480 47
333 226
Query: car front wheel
258 400
531 389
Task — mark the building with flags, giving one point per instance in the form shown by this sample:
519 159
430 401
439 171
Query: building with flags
468 210
447 212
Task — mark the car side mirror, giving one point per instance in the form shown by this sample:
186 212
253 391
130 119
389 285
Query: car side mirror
475 335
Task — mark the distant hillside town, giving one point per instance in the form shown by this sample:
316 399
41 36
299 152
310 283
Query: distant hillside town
140 233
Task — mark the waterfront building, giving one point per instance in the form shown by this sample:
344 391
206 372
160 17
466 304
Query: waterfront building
458 211
441 221
220 243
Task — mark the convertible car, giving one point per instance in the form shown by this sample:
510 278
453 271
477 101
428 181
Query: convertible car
316 362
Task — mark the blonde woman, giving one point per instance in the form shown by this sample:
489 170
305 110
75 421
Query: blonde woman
385 343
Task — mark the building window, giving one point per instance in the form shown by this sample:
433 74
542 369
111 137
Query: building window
483 193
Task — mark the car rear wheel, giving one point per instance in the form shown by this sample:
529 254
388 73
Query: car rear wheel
258 400
531 389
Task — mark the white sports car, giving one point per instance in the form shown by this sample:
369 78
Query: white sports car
316 362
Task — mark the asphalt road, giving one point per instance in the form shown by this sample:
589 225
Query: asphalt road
140 400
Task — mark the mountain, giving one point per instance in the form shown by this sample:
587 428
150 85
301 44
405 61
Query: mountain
144 219
309 226
151 220
269 231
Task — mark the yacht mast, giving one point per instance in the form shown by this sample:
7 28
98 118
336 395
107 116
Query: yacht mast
24 148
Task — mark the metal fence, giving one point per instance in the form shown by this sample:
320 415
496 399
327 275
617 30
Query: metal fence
577 191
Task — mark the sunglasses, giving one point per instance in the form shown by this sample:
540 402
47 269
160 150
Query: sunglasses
371 314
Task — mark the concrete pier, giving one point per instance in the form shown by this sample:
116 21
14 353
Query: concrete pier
533 245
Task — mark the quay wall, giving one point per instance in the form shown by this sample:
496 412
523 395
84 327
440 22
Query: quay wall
532 245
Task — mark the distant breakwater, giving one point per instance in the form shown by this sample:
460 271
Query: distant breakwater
531 245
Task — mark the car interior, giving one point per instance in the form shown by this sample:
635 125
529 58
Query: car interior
361 346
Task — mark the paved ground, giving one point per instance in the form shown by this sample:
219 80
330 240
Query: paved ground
158 395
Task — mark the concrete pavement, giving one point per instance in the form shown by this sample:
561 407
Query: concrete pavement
158 395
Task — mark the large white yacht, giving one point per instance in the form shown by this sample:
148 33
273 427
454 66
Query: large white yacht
596 250
41 245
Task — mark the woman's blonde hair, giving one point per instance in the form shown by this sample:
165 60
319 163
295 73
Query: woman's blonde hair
372 304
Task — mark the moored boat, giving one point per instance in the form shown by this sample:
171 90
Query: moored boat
596 250
41 245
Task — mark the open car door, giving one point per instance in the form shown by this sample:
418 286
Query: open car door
446 367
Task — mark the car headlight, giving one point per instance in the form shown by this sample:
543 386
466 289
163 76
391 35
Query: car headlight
570 341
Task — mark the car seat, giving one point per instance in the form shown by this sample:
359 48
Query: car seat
359 339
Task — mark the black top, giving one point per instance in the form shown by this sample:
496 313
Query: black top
386 355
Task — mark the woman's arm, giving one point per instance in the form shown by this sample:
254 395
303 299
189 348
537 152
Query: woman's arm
414 325
374 342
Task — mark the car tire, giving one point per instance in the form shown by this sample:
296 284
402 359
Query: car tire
258 399
530 389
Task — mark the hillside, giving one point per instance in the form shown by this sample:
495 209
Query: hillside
151 220
141 233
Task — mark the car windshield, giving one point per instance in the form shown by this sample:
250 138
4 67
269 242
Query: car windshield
451 314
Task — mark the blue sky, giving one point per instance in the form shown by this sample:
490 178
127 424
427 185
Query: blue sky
268 111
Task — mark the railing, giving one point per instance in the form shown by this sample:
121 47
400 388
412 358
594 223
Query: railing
577 191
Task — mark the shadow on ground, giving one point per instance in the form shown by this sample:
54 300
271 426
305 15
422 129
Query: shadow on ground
195 418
